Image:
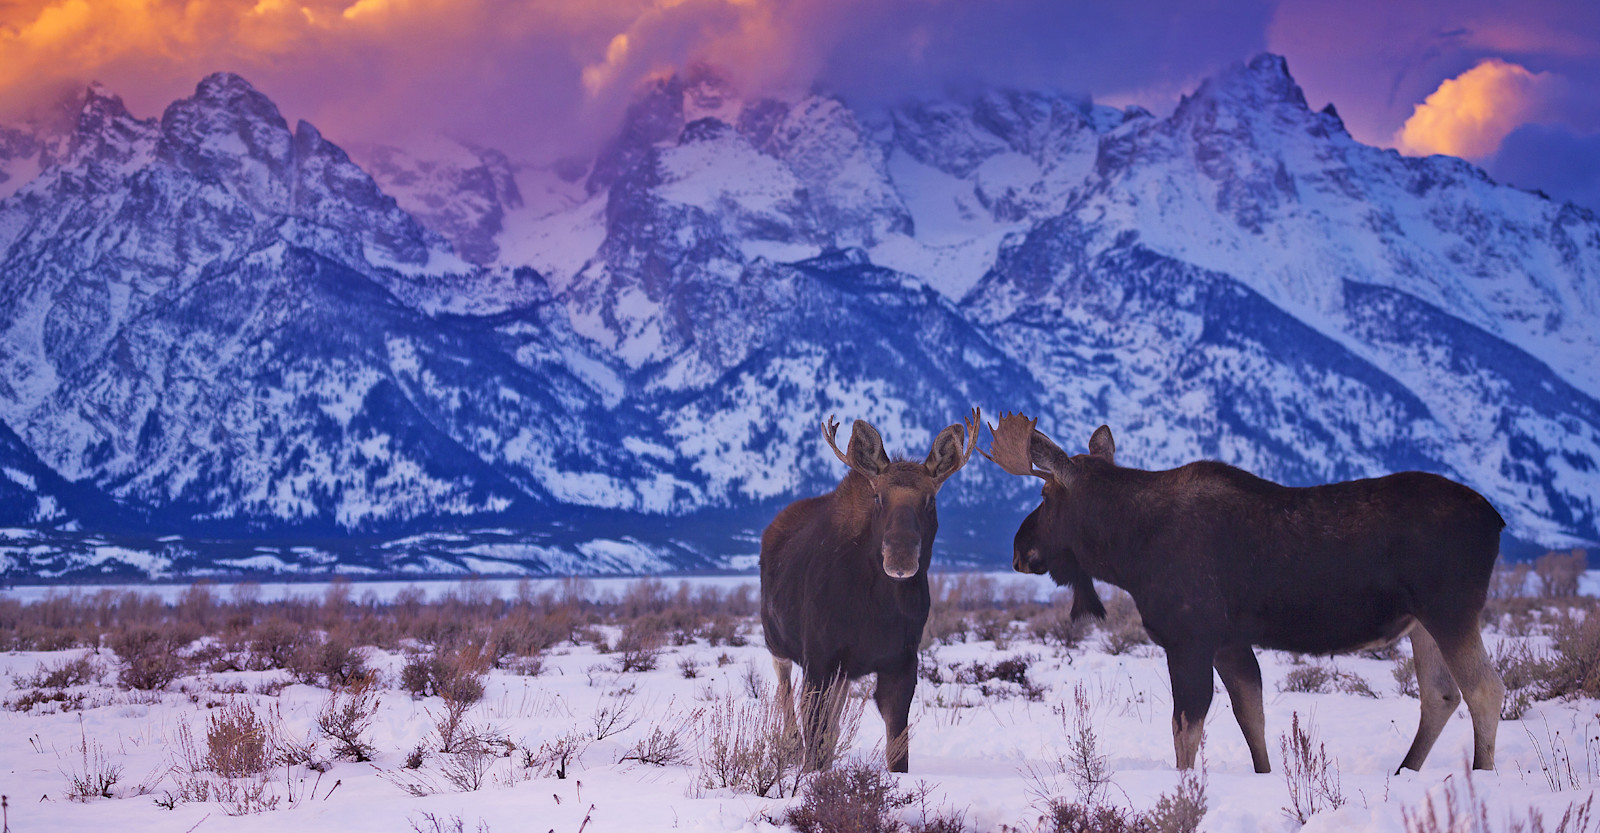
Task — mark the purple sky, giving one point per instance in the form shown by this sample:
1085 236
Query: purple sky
1512 85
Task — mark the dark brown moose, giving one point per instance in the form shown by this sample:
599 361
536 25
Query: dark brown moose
1219 560
844 583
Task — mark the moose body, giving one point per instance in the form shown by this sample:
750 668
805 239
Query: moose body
1219 561
844 585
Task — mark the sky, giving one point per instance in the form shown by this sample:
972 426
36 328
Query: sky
1512 86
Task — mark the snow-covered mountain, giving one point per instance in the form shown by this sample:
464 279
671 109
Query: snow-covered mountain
216 328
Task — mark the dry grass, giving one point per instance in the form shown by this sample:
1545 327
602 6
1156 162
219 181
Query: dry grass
1311 776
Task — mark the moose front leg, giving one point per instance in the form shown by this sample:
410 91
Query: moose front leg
893 695
821 699
1189 667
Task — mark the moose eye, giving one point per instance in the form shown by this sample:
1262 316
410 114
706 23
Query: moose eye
928 504
877 501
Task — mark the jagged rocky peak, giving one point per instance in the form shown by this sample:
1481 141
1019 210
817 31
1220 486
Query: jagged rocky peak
1263 82
104 131
1251 97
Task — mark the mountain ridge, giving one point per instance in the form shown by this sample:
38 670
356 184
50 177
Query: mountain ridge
228 329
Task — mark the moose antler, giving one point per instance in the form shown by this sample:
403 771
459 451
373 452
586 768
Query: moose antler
830 431
1011 449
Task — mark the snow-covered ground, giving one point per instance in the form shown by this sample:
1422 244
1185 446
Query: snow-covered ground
975 753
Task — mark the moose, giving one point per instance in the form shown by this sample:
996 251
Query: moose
844 584
1219 561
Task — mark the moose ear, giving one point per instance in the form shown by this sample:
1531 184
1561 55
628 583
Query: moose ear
946 455
1048 458
865 451
1101 444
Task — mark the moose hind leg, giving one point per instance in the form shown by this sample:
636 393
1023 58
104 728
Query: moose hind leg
1190 670
1480 686
1437 690
1241 675
893 695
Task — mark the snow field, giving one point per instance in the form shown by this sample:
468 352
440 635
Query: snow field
982 746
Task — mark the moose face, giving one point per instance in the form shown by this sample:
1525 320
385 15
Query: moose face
903 514
905 518
1040 545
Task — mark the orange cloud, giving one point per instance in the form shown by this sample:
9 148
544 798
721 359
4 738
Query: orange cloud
1469 115
542 77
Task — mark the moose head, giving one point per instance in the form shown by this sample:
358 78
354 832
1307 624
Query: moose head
1040 545
900 503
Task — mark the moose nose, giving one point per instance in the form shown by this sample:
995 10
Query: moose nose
900 560
1028 562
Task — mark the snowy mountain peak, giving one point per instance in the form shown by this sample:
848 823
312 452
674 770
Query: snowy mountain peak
105 134
1245 93
226 122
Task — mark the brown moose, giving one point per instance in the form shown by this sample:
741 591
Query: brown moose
1219 560
844 583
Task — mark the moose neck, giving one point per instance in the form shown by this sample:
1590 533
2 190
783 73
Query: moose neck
1103 517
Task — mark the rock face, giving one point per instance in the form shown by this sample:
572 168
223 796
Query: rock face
216 328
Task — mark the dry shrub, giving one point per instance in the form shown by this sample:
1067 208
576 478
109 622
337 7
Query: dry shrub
150 657
1509 581
1326 679
558 755
992 626
639 645
615 717
46 701
81 670
467 767
93 775
529 633
1559 572
945 626
663 746
1088 769
1312 777
1469 814
1405 676
745 746
853 797
1070 817
276 643
1123 628
430 823
1003 680
1524 674
1181 810
1053 624
724 629
455 732
1574 664
333 662
347 715
455 674
238 742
